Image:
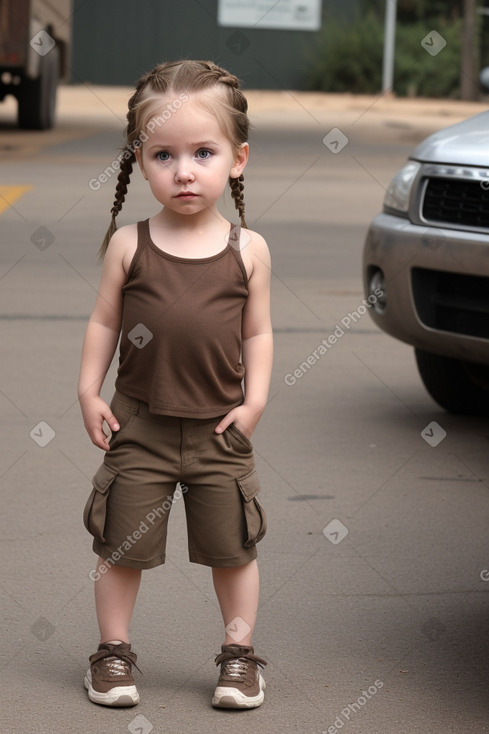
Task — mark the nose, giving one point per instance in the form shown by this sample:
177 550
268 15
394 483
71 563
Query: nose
183 172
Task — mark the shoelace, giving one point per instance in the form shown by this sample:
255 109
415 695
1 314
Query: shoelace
117 667
112 651
237 667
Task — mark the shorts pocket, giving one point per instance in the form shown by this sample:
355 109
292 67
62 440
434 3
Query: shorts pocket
243 440
255 517
122 408
95 511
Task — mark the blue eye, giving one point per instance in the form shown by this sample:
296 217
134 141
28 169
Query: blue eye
203 154
163 155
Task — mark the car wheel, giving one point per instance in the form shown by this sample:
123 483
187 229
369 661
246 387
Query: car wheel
37 97
458 386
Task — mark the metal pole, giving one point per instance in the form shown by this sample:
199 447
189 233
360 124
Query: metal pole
389 45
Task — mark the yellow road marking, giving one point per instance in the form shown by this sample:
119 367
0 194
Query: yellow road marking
9 194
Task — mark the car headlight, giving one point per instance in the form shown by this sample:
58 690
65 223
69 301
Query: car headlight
399 189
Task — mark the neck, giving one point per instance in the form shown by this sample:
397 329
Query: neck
206 219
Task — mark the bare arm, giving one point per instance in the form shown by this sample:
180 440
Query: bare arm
257 344
100 342
257 359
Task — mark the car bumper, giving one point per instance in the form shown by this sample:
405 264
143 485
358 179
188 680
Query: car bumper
414 260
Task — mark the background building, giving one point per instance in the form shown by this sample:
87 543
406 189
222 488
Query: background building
115 41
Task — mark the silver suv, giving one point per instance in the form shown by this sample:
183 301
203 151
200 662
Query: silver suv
428 252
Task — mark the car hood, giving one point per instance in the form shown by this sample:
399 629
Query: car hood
465 143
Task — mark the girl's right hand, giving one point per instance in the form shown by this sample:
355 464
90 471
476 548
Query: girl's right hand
95 411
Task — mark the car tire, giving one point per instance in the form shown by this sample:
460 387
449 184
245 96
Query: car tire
459 387
37 97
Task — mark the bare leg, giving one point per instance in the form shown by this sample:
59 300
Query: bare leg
115 596
237 591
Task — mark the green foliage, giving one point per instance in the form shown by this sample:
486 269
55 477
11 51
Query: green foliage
416 72
348 57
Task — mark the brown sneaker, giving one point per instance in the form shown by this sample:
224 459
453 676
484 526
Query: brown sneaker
240 684
109 678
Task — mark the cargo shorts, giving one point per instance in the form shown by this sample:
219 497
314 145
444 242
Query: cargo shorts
157 460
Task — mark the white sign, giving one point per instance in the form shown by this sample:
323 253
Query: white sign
296 15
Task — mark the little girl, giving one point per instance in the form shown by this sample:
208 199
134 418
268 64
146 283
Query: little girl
188 294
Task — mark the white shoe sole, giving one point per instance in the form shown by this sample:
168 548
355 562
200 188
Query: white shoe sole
232 698
119 696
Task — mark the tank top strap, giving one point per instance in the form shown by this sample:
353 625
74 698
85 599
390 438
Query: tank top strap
234 235
234 242
143 239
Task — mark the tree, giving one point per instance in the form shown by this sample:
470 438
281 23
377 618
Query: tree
469 85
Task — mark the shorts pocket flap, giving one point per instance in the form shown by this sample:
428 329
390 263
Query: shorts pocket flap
103 478
95 510
249 485
254 514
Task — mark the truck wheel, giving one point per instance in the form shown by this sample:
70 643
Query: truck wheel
458 386
37 97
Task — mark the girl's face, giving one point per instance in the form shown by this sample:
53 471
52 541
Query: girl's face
188 160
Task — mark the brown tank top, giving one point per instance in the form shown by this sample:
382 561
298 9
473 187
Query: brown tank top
180 348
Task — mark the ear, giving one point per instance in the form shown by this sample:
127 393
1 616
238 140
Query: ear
240 161
139 158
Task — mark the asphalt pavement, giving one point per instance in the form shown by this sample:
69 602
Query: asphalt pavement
374 606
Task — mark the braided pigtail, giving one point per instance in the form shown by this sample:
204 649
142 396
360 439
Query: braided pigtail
241 125
127 159
123 181
237 187
231 112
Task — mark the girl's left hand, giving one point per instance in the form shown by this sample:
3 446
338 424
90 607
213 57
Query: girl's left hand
244 418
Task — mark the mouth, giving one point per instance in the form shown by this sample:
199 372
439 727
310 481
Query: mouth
186 195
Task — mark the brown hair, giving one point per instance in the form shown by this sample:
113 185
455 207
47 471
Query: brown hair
180 78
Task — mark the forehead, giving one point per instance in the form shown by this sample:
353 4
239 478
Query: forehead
181 117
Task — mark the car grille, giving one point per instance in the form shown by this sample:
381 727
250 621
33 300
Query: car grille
452 302
456 201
